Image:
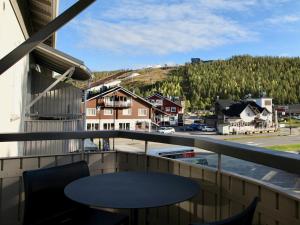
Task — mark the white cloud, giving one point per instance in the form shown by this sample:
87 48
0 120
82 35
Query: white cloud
164 27
283 19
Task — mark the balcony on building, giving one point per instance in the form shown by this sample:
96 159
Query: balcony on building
117 101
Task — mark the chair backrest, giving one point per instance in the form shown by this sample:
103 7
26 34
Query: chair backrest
243 218
44 192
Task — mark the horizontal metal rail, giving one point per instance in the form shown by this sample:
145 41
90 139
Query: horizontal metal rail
281 160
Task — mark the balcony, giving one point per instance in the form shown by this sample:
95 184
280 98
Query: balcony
222 193
118 104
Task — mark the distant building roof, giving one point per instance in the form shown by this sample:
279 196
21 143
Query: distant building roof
107 79
120 88
159 95
224 103
237 108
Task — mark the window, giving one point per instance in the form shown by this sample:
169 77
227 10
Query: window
167 109
124 126
143 112
91 112
126 112
108 126
268 102
92 126
159 101
173 109
88 127
108 111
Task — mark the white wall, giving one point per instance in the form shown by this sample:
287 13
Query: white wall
247 115
13 83
262 103
117 122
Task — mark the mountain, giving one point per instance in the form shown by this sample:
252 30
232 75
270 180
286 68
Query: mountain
200 83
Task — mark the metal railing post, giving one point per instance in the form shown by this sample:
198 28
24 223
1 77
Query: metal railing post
147 168
82 149
146 156
219 177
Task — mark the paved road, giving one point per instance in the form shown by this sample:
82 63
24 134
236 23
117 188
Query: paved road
260 140
263 173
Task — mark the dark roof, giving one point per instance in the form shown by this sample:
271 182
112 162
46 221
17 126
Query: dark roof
159 95
120 88
235 109
107 79
60 62
224 103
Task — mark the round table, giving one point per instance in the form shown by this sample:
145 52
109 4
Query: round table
131 190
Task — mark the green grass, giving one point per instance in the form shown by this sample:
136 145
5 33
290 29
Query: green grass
250 137
290 147
292 122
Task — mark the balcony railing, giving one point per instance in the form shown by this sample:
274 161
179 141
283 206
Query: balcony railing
117 103
222 193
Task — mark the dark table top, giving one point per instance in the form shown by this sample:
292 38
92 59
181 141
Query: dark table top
131 190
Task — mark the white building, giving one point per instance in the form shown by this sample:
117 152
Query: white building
32 100
245 117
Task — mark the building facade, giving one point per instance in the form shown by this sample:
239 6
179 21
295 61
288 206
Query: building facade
118 109
246 116
173 110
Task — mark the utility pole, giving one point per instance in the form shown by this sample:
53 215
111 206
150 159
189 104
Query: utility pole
98 107
290 122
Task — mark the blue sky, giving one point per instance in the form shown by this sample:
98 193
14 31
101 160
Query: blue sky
123 34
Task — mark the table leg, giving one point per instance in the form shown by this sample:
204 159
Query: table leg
134 216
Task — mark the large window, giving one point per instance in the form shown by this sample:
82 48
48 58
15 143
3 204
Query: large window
92 126
173 109
143 112
126 112
108 126
124 126
91 112
108 112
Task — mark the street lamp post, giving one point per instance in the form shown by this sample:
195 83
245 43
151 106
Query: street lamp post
98 107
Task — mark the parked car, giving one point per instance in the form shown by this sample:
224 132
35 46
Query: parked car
208 129
90 146
194 127
296 117
166 130
200 126
186 128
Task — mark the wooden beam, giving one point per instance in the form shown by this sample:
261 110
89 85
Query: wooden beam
27 46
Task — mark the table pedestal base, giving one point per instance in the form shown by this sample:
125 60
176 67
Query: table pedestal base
134 216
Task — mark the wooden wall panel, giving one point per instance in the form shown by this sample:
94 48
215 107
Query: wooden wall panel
47 161
10 168
10 199
30 163
62 160
163 165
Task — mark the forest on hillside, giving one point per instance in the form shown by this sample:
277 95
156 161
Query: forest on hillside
201 83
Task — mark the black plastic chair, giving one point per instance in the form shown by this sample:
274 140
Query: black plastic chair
243 218
45 202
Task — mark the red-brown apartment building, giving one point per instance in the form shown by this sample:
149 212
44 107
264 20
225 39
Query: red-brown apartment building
118 109
173 109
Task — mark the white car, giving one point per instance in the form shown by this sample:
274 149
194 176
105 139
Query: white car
208 129
166 130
